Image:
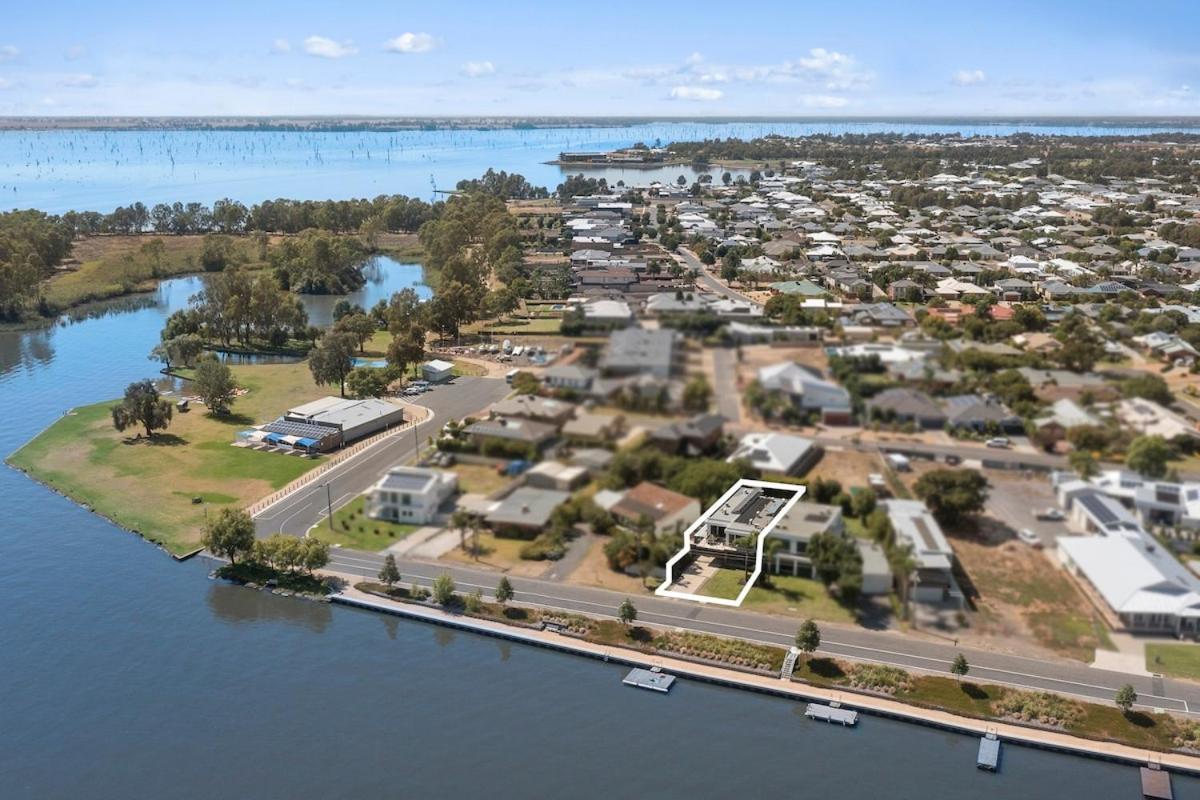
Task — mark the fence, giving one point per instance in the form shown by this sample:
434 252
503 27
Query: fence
337 458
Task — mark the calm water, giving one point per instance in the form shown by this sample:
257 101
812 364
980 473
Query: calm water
125 675
98 170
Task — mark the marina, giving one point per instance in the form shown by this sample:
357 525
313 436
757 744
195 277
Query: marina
652 679
832 713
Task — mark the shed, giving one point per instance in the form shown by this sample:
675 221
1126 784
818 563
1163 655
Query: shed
437 371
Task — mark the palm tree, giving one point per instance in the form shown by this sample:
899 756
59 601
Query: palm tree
462 520
903 564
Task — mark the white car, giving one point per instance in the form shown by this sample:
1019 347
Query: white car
1030 538
999 442
1051 515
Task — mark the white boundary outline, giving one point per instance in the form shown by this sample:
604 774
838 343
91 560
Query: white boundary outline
662 591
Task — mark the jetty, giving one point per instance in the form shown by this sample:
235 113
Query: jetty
653 679
831 713
989 753
1156 783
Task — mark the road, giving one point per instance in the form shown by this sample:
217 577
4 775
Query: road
854 643
706 278
1010 459
725 390
299 511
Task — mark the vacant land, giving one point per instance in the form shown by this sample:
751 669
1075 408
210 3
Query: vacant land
148 486
789 595
353 528
497 552
111 266
1176 660
850 468
1021 595
479 478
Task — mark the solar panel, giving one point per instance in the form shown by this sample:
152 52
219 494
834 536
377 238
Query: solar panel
1098 509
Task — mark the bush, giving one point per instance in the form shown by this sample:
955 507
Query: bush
1040 707
546 547
879 678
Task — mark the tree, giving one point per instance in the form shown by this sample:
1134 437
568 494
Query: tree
389 573
366 382
1148 456
332 359
960 667
358 325
526 383
504 591
808 637
1125 698
230 535
443 589
627 613
406 349
696 394
952 493
1083 463
214 384
142 406
1148 386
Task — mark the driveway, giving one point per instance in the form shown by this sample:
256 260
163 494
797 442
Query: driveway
725 384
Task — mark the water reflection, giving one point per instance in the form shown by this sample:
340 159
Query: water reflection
239 605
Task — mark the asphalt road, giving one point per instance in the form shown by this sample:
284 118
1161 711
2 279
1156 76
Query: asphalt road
706 278
884 647
299 511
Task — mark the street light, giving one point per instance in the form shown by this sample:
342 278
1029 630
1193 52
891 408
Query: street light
328 504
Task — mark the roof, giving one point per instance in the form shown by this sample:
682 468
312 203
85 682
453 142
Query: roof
814 392
912 520
1133 574
635 348
652 500
906 402
527 507
417 480
341 413
772 452
438 365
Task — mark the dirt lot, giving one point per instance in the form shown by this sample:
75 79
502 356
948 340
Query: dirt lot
850 468
594 571
755 357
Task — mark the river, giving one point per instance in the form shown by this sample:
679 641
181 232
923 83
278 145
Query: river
126 675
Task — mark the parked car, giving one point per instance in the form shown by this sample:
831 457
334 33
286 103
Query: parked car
1051 515
999 442
953 460
1030 538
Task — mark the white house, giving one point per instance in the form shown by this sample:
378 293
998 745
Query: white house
933 579
410 494
777 452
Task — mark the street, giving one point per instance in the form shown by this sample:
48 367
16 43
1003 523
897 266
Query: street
706 278
882 647
298 512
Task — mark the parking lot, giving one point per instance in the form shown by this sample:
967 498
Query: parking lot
1015 501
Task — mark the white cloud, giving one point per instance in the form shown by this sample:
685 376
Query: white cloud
411 43
696 93
75 52
79 80
969 77
837 70
824 101
6 84
281 46
324 47
8 52
478 69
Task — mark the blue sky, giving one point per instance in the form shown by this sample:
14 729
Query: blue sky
700 58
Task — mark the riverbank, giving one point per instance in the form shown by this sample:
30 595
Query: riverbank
759 673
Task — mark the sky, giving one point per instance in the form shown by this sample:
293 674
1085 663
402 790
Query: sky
614 58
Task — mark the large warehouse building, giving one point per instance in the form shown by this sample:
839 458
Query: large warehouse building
330 422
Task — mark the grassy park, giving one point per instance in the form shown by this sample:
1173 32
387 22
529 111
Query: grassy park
148 486
1176 660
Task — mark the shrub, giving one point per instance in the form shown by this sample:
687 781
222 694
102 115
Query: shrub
879 678
1040 707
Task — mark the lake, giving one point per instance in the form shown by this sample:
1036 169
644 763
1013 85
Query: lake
126 675
60 170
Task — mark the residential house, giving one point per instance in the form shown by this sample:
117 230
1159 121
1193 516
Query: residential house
410 494
525 511
694 436
808 392
901 404
932 580
635 351
670 512
779 453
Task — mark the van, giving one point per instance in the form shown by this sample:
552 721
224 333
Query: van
508 376
898 462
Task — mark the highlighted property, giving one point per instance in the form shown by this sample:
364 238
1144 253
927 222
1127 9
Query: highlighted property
729 536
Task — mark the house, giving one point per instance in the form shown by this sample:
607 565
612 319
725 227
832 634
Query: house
694 436
1143 586
635 351
410 494
532 407
906 290
933 577
525 511
511 432
796 528
802 287
1152 419
1056 384
670 512
570 376
1062 415
808 391
779 453
981 414
593 428
556 475
437 371
884 315
901 404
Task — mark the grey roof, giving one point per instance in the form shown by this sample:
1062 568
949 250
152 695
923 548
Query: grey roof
906 403
527 507
635 349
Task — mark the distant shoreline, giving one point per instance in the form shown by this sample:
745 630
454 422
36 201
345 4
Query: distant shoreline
316 124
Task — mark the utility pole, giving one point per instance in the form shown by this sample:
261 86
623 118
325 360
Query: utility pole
329 505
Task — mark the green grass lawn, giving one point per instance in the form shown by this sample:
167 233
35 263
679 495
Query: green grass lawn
526 327
148 485
800 597
353 528
1176 660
